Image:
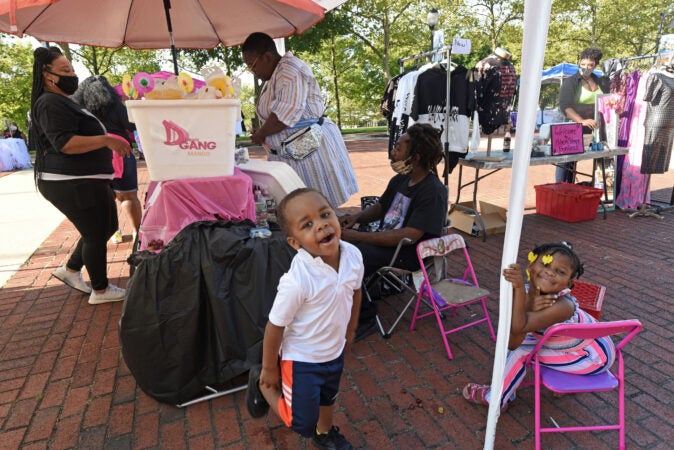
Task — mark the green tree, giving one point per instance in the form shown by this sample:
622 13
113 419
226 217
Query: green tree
16 75
115 63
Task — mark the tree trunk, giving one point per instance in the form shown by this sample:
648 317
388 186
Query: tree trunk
335 77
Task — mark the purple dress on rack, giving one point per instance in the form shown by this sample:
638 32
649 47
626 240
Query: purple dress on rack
634 185
631 85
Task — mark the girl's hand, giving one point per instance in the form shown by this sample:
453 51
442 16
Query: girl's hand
270 377
541 302
513 274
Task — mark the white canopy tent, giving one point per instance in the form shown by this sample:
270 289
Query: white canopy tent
536 22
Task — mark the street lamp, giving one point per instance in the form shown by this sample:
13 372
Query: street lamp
663 15
432 21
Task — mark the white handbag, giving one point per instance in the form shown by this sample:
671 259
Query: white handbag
303 142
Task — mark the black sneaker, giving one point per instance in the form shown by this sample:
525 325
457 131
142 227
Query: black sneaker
332 440
255 402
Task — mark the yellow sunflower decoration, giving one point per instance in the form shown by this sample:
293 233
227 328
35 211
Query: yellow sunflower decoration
185 82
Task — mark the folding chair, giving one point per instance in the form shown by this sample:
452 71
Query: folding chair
447 292
564 383
398 279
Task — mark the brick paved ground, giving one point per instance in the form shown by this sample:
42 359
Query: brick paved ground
63 383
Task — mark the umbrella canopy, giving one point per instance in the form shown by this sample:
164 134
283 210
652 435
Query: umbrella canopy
142 24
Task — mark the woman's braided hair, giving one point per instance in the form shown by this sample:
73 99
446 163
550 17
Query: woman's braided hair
42 57
566 249
425 142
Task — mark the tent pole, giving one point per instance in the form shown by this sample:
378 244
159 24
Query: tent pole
174 55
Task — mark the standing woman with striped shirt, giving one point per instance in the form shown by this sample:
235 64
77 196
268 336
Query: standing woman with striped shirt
291 100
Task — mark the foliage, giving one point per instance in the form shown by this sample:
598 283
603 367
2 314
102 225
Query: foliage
16 76
115 63
354 51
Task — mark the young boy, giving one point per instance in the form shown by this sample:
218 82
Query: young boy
312 321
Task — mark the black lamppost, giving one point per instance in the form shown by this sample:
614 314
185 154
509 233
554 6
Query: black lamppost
432 21
663 15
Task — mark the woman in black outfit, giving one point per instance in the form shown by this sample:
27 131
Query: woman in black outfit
577 99
73 169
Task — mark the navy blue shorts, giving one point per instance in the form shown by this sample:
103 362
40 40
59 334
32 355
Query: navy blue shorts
129 180
305 388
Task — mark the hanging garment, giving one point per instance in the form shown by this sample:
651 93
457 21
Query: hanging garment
496 83
633 184
659 123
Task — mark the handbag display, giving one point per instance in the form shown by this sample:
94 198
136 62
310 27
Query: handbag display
303 142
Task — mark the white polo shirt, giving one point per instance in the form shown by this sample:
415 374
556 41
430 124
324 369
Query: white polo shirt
314 302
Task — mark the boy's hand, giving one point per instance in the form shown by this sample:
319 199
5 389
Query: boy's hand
513 274
270 377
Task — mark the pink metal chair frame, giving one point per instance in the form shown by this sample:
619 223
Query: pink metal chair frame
442 246
564 383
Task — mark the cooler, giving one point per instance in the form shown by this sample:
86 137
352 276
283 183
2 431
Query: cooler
275 177
186 138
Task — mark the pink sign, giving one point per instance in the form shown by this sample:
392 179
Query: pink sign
566 139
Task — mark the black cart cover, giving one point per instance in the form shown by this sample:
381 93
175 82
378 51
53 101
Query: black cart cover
194 314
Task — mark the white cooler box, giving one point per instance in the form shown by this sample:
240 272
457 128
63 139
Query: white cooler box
275 177
186 138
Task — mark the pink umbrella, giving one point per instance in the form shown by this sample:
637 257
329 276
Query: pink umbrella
138 24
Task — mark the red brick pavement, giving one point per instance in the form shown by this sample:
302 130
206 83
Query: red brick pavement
63 383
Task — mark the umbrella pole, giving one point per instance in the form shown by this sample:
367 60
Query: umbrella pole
167 10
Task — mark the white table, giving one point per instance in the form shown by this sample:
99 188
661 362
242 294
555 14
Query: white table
494 166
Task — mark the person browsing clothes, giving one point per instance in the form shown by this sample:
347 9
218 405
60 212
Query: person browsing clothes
576 101
311 323
73 170
290 101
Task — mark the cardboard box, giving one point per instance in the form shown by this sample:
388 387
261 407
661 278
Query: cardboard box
494 219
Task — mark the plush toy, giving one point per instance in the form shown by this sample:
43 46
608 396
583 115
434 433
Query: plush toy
127 86
143 83
185 82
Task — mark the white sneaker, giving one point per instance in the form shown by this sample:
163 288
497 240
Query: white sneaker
117 238
112 294
72 279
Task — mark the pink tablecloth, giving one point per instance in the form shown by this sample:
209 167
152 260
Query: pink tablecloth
172 205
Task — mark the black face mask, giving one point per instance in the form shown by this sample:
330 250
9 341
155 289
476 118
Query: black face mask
68 84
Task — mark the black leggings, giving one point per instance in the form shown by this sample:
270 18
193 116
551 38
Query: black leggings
90 205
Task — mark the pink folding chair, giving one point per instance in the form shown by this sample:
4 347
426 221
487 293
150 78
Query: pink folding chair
565 383
445 292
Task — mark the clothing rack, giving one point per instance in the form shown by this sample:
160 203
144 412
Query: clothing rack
447 50
648 209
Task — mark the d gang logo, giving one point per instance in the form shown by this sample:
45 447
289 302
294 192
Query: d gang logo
176 135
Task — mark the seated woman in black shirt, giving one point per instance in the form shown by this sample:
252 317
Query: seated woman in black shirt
414 204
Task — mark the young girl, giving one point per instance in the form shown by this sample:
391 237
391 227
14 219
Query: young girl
551 271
